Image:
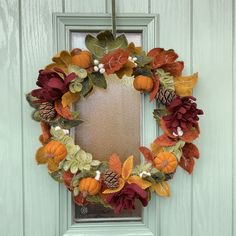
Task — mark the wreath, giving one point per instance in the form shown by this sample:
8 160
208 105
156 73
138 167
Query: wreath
74 74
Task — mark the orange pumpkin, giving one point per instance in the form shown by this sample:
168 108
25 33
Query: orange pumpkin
165 162
81 58
89 186
52 154
143 83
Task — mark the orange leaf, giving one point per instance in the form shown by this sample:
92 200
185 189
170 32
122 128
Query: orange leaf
143 184
184 84
155 88
162 189
156 149
121 185
147 153
69 98
46 135
165 141
127 167
40 156
134 50
115 163
127 70
187 164
63 111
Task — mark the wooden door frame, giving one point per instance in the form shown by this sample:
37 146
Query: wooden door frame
147 24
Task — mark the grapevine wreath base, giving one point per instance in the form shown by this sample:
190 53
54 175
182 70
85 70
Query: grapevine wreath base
73 75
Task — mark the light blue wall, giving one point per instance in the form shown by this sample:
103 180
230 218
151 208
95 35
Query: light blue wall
203 33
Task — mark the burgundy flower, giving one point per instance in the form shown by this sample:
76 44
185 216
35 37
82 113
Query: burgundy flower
125 199
183 114
53 84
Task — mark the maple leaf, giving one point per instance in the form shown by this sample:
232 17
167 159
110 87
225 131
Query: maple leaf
114 61
174 68
162 57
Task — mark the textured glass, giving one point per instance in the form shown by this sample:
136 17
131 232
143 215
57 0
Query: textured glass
111 125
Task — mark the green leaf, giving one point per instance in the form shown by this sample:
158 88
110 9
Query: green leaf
105 43
166 80
87 86
143 71
36 116
57 176
68 124
159 112
31 100
98 80
143 59
97 200
176 149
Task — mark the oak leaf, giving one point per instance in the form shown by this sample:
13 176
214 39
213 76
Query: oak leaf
184 84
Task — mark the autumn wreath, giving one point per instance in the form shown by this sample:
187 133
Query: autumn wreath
73 75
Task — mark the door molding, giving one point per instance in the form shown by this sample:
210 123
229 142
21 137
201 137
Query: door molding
147 24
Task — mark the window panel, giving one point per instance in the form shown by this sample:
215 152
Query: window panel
111 125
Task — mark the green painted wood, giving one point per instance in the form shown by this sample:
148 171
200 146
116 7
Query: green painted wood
81 6
212 57
130 6
11 186
234 120
175 212
41 192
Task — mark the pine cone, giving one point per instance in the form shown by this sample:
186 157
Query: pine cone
47 111
111 179
165 96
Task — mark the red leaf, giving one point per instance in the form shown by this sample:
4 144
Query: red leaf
187 164
165 129
174 68
67 177
165 141
114 61
162 57
63 111
155 88
115 163
191 134
147 153
190 150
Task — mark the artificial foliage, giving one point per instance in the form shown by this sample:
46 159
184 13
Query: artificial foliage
74 74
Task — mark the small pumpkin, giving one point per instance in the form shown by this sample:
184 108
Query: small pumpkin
56 150
89 186
52 154
81 58
165 162
143 83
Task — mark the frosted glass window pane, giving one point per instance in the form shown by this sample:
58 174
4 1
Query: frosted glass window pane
111 125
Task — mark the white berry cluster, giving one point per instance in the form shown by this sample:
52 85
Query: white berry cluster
98 67
179 132
133 59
